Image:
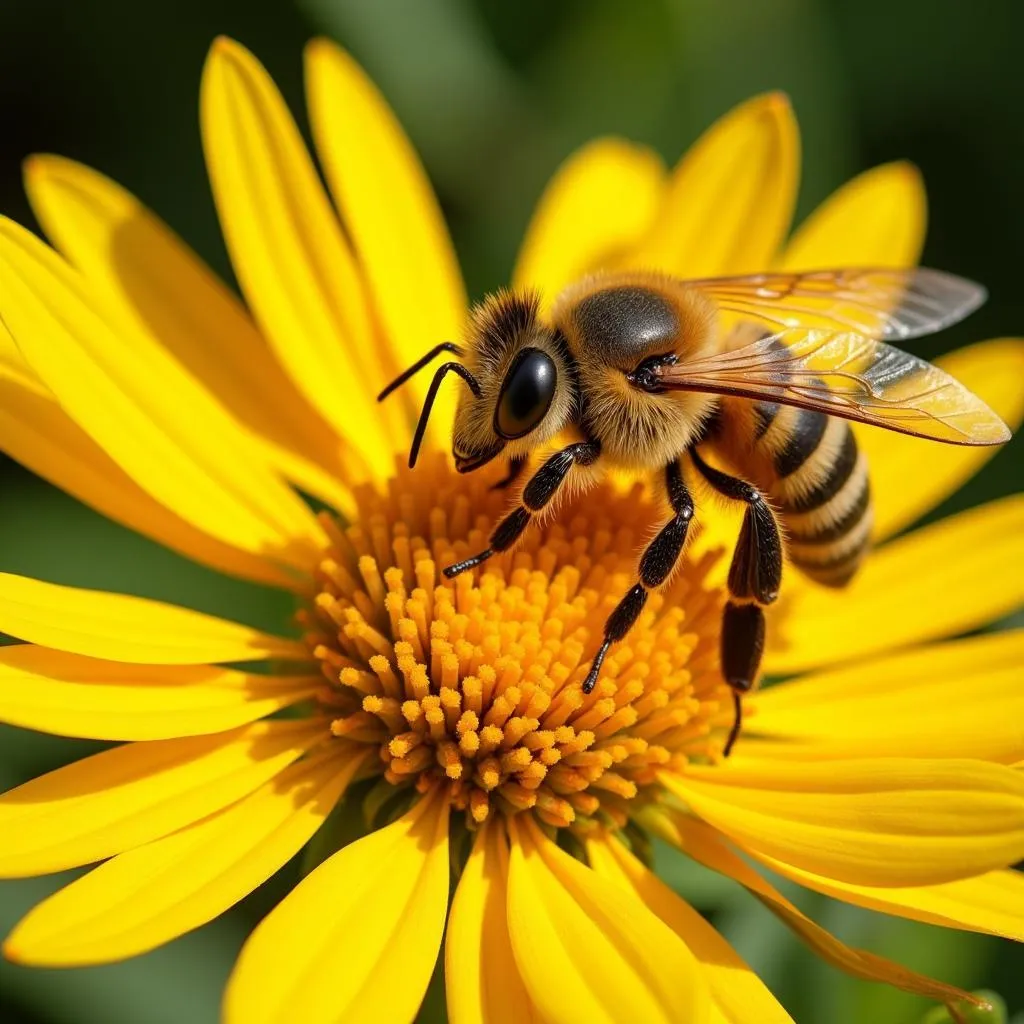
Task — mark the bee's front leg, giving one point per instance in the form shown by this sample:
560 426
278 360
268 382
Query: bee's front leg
754 579
540 489
656 563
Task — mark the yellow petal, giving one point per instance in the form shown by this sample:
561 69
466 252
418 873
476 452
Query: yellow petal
993 371
144 410
69 695
707 846
730 200
992 903
876 220
600 202
944 579
392 216
124 628
133 794
147 275
357 939
740 995
481 978
959 699
589 951
292 261
154 893
884 821
36 431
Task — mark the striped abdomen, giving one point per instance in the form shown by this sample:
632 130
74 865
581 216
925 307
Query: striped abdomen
819 485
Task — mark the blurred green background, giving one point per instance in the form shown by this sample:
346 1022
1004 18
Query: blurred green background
495 94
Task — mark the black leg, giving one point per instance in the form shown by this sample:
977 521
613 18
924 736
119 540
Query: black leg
542 487
754 579
656 563
516 465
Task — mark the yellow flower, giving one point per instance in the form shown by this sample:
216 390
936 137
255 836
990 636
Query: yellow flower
135 381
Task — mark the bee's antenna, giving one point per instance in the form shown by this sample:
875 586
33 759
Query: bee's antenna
428 402
445 346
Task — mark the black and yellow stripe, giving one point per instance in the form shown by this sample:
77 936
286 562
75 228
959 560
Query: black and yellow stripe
820 489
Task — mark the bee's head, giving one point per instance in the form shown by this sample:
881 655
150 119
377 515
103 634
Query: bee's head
523 376
518 389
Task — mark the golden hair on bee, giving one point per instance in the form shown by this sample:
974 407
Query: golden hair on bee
612 323
524 374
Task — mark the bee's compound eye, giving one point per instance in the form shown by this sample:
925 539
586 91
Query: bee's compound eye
526 393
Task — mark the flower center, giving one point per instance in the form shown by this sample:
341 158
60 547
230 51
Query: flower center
474 683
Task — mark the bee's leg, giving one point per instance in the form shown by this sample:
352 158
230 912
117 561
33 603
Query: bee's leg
540 489
754 579
516 465
656 563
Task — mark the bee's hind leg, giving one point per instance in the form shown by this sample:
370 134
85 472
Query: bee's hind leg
656 563
538 492
754 579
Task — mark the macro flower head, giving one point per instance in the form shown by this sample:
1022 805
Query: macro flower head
507 814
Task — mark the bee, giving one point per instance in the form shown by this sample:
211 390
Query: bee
747 382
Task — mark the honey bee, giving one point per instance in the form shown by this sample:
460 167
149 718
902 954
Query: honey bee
756 374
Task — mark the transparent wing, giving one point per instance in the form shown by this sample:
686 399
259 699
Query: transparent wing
893 305
844 374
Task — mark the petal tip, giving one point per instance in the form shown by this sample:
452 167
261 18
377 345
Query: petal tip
13 952
41 169
225 50
321 48
35 165
908 170
224 45
775 104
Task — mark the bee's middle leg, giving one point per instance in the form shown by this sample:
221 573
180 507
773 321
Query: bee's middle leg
755 575
656 563
537 493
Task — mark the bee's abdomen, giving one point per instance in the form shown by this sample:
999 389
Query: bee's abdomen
821 490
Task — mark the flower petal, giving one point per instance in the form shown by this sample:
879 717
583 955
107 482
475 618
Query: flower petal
133 794
481 977
704 844
884 821
39 434
600 202
958 699
357 939
144 410
391 214
125 628
291 258
876 220
150 277
909 591
740 995
993 371
589 951
730 200
69 695
992 903
154 893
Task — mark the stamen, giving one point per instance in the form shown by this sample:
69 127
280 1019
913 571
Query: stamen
474 684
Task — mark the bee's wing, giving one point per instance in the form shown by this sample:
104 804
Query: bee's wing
844 374
893 305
